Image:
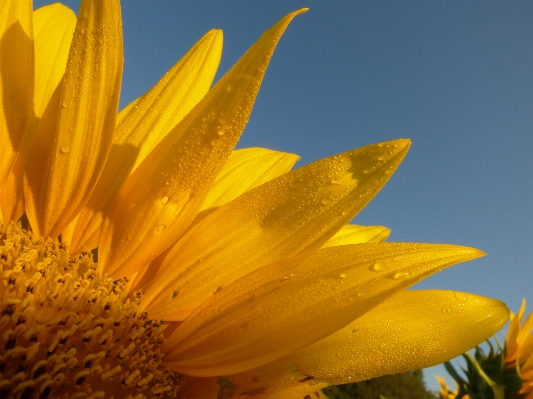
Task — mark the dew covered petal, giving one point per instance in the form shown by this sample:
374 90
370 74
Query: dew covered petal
292 303
161 198
143 125
74 135
409 331
296 212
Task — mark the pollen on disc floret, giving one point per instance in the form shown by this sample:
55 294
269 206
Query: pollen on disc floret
66 332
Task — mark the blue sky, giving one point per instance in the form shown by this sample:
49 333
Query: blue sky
456 77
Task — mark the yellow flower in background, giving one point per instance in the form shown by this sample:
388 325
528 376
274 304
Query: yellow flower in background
221 272
445 391
519 350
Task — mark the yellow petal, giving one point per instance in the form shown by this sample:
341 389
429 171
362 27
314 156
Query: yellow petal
296 212
74 135
513 331
161 198
409 331
53 28
353 234
12 192
288 305
245 169
16 80
144 124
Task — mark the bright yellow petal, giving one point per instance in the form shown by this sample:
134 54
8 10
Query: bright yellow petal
53 29
53 26
161 198
409 331
16 80
245 169
12 192
298 211
288 305
512 333
144 124
353 234
75 133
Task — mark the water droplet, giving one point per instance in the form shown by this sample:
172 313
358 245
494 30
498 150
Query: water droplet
400 275
160 228
174 294
370 169
361 294
336 181
446 309
382 346
343 275
219 288
221 132
64 104
64 149
164 200
377 267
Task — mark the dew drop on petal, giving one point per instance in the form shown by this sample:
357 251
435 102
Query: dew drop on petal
160 228
377 267
446 309
343 275
400 275
164 200
64 149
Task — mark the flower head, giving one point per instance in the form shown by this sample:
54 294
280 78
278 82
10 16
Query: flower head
519 350
220 272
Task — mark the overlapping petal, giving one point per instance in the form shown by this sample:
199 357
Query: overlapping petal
73 138
143 125
161 198
245 169
298 211
17 66
380 343
354 234
292 303
53 27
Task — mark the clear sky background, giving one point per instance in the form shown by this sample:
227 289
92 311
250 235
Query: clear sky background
456 77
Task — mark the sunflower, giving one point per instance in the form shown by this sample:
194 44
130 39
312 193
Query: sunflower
519 350
445 391
218 272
